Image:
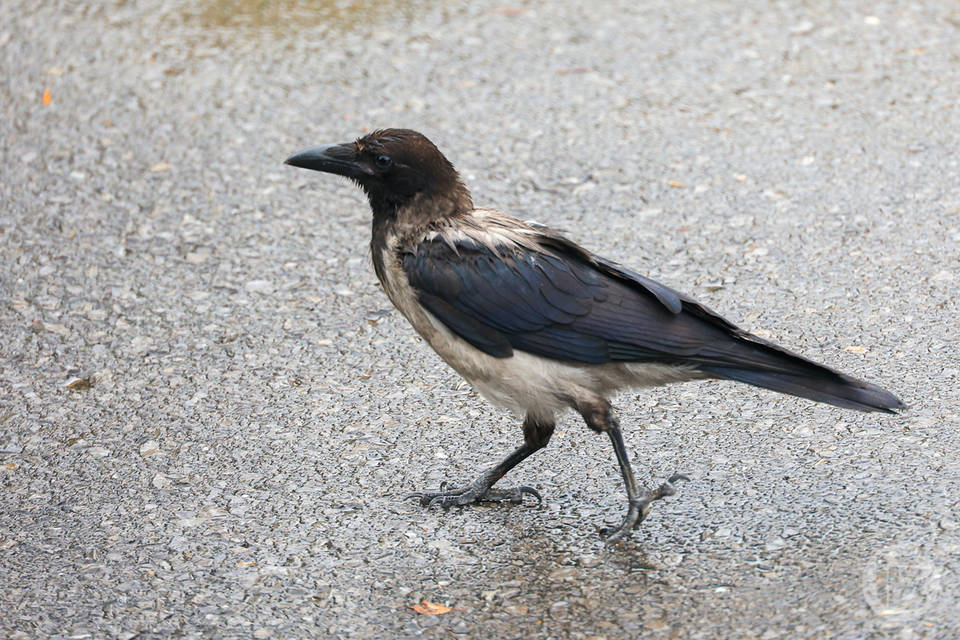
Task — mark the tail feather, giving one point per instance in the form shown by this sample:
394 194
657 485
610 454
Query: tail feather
824 386
753 360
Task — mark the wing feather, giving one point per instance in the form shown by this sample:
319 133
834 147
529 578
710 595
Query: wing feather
553 305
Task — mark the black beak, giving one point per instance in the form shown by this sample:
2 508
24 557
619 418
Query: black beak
340 159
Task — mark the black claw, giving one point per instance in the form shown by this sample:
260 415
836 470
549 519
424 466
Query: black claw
530 490
678 476
613 535
421 496
426 498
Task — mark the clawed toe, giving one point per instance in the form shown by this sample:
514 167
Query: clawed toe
665 489
513 495
530 491
639 509
473 493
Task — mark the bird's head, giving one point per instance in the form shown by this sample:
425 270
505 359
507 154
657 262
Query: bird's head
394 167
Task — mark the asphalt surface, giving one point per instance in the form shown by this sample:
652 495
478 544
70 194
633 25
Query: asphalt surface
209 414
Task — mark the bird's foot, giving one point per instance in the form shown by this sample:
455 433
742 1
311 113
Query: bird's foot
473 492
639 509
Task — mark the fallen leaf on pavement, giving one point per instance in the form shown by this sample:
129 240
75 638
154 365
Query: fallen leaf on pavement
430 608
78 384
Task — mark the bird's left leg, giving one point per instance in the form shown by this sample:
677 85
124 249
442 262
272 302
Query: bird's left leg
600 417
536 434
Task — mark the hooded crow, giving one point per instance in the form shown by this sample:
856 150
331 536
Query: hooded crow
538 324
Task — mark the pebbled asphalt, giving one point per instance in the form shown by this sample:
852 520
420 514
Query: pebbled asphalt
209 414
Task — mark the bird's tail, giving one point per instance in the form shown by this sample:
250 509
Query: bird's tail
763 364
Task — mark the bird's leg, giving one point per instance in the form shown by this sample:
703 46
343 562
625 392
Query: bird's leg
639 503
536 434
480 490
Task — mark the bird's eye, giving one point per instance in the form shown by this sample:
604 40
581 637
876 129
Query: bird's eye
383 161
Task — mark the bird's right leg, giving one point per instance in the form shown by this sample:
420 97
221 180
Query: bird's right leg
599 417
536 435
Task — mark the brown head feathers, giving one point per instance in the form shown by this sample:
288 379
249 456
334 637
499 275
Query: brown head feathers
407 167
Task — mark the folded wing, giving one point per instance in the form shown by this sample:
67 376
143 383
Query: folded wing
562 302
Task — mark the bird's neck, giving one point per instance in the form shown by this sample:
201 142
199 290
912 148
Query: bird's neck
399 226
420 212
439 202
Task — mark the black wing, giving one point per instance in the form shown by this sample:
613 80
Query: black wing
556 305
566 304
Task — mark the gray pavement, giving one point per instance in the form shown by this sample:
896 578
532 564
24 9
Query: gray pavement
209 414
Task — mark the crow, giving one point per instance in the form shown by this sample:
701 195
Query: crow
538 324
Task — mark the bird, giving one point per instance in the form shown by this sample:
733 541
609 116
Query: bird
538 324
